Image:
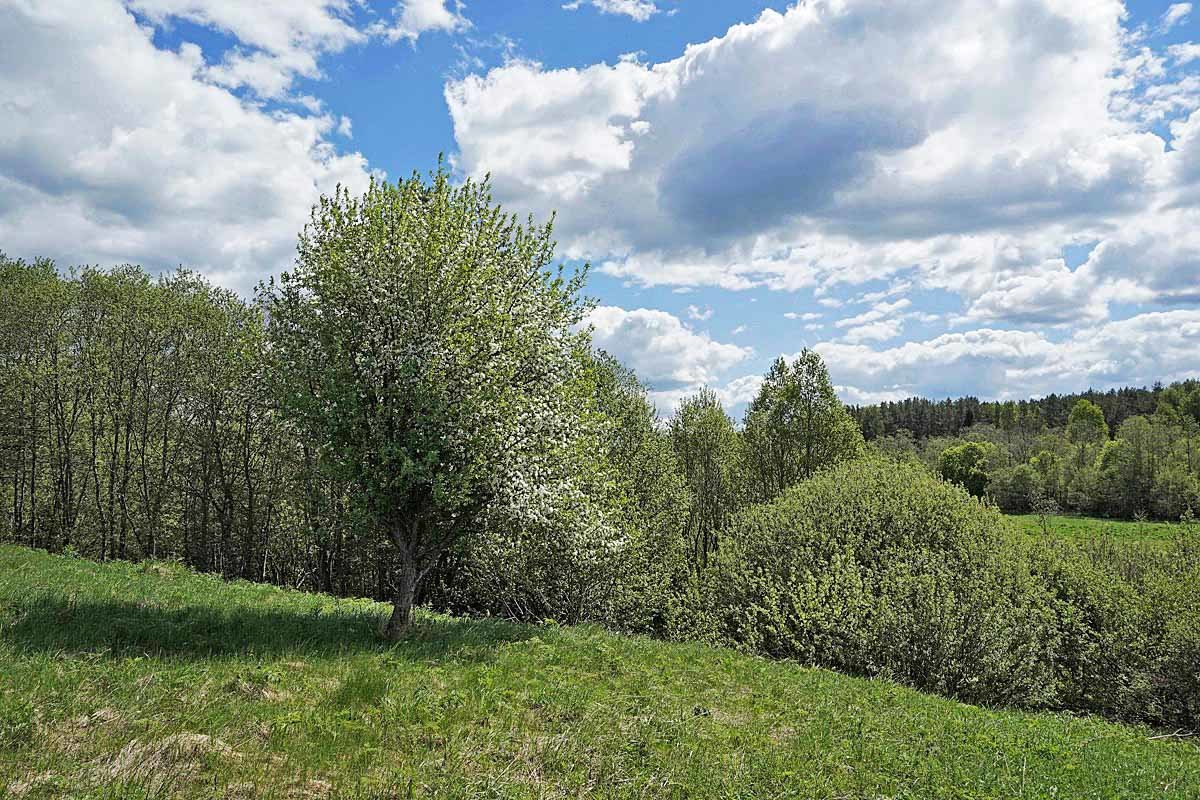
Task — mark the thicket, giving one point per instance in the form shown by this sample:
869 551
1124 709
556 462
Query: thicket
163 418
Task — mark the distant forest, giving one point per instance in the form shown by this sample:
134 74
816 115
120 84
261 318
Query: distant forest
1123 453
924 418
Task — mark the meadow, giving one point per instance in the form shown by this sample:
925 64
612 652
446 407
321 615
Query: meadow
135 681
1078 528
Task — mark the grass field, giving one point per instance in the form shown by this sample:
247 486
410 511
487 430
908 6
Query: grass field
1083 528
121 680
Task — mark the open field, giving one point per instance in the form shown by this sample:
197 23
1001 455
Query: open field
121 680
1084 528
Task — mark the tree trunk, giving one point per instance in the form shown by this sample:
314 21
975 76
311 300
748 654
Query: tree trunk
402 603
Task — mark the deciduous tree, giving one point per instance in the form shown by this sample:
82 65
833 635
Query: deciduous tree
425 347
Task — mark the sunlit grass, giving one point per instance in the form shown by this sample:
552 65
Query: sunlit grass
1084 528
120 680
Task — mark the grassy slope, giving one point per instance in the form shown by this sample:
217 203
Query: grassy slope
104 668
1083 528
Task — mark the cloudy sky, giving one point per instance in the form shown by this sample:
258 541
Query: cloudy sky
943 197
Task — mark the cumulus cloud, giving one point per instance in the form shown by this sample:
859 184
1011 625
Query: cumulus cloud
277 43
664 351
1006 363
906 143
146 160
1054 294
1015 128
412 18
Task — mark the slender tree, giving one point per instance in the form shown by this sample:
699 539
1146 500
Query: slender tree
795 426
706 447
1086 429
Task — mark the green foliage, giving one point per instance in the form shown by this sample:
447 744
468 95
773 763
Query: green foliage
616 554
795 426
300 698
1175 492
879 568
1013 488
134 421
707 449
1126 627
1086 425
967 465
422 344
1150 467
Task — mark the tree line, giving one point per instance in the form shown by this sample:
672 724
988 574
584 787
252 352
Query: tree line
1117 464
419 384
923 418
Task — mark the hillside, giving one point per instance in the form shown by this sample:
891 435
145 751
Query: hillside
147 680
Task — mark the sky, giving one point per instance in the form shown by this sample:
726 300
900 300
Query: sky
942 197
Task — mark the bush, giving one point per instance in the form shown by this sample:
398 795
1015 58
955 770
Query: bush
1176 491
1127 628
1100 654
1172 602
879 568
967 464
1014 488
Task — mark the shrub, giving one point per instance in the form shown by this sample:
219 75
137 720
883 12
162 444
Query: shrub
1013 488
1172 602
1176 490
879 568
967 464
1101 653
1127 628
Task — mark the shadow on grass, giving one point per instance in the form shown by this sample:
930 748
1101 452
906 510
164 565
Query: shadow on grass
64 625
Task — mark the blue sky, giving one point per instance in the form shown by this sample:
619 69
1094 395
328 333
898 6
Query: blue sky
942 197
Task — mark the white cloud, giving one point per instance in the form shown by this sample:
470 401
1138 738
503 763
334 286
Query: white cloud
897 287
740 390
412 18
1184 52
1053 294
879 331
640 10
699 314
955 146
661 348
993 363
878 312
278 42
1175 14
1015 127
146 161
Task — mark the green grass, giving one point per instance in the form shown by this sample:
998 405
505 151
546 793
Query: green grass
121 680
1084 528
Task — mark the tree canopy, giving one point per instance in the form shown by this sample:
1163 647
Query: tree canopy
795 426
425 346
